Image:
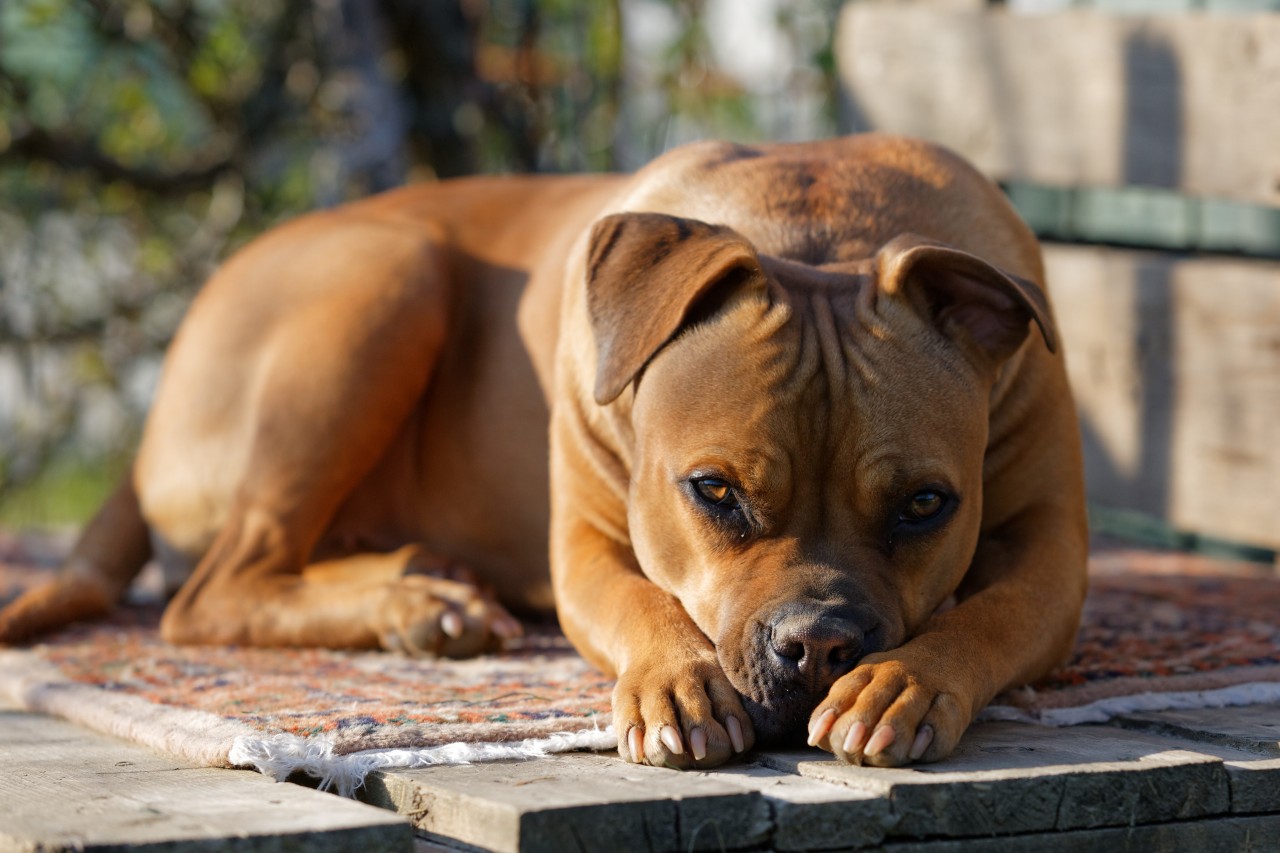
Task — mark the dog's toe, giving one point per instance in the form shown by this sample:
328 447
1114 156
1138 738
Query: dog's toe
679 714
427 616
886 713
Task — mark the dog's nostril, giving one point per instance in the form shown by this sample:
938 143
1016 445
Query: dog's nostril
845 654
791 650
838 653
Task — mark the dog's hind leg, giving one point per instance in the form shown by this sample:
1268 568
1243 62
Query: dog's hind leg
359 317
109 553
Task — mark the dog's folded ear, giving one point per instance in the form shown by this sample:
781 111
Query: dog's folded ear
649 274
960 292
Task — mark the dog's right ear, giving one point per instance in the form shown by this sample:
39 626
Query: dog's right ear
647 274
961 293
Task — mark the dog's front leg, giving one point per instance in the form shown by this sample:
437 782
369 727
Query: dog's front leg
673 706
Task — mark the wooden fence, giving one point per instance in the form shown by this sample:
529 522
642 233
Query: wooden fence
1145 150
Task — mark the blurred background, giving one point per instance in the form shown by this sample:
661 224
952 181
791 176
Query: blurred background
142 141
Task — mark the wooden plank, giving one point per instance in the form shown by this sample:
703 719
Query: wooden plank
579 802
1006 780
1253 728
1255 782
812 815
1010 778
1175 364
1079 97
1135 216
596 802
1253 834
1255 785
1147 217
1225 226
1242 5
64 788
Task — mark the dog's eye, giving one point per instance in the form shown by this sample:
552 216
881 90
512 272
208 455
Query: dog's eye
715 492
923 506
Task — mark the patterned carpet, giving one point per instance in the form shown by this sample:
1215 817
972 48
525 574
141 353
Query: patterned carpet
1162 622
362 700
1155 623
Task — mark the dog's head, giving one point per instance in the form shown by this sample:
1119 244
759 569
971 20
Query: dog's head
809 442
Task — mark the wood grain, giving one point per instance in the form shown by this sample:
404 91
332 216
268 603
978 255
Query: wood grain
63 788
1075 98
1175 364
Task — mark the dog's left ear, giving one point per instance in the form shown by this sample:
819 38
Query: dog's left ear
958 291
650 273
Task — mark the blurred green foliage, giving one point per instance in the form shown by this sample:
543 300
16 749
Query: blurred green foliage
138 109
67 491
141 141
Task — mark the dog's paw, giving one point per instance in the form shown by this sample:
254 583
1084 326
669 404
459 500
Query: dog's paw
888 712
427 616
65 599
679 712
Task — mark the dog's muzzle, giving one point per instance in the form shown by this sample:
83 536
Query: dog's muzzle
791 659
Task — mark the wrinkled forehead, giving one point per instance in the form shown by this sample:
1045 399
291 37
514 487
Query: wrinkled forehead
724 370
815 373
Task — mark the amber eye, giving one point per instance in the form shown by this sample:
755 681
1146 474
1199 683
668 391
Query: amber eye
924 506
715 492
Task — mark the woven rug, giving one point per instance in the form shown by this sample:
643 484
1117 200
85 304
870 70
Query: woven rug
1160 631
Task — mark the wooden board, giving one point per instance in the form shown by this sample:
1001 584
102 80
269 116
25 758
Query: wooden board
1255 728
1005 779
1147 217
590 802
1255 781
1188 101
1243 834
63 788
1175 364
1097 787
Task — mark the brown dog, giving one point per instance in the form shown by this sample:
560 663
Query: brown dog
799 397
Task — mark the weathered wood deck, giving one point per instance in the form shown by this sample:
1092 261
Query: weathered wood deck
1161 781
65 788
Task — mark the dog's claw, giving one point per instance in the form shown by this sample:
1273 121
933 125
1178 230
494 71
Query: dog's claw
880 741
698 743
507 627
892 710
671 740
923 738
635 744
821 726
856 737
734 729
451 623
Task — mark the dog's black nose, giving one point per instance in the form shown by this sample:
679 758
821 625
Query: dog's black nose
815 647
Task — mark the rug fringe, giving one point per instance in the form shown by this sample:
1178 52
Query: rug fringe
1253 693
281 755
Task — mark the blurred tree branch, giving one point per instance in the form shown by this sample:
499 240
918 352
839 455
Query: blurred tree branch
247 124
269 103
39 145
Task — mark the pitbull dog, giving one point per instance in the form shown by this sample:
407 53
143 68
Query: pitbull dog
814 464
